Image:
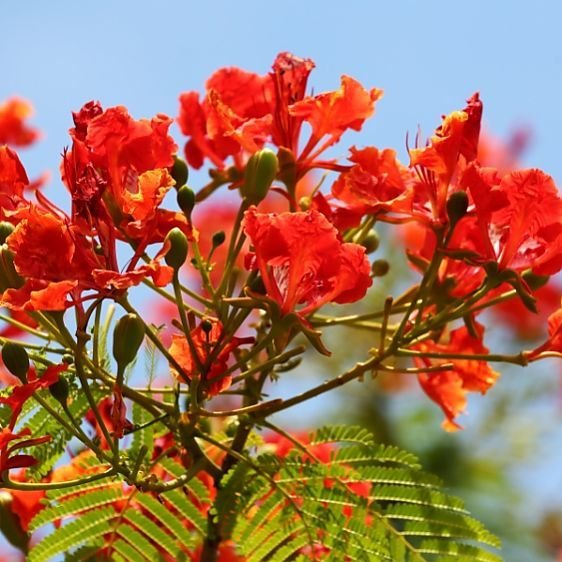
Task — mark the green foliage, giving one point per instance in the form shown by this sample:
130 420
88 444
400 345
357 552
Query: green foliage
369 502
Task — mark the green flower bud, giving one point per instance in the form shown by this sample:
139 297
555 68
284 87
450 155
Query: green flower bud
6 229
10 525
261 170
371 242
177 253
68 358
218 238
186 200
206 326
535 281
16 360
457 205
9 278
380 268
127 339
180 172
59 391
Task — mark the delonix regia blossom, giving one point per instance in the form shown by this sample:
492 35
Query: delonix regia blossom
178 457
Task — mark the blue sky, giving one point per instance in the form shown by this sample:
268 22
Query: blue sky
427 56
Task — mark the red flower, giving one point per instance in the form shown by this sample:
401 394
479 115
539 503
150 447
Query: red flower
56 258
302 261
213 349
449 388
376 182
117 172
9 461
242 111
519 217
457 136
13 181
330 114
13 129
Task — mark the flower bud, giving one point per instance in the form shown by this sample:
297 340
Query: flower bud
9 278
206 326
127 339
186 200
261 170
16 360
6 229
380 268
177 252
59 391
10 524
371 242
457 205
533 280
218 238
180 172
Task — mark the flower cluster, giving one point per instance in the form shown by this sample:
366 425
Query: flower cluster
240 297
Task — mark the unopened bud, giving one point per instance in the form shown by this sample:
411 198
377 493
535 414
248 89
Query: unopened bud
457 205
16 360
59 391
180 172
534 281
380 268
6 229
371 242
127 339
186 200
218 239
177 252
9 278
206 326
305 203
261 170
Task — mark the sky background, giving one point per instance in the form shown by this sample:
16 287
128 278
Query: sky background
428 57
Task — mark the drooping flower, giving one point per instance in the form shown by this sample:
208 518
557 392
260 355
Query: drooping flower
449 388
302 261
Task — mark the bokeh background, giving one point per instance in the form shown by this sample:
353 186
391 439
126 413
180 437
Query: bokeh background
428 57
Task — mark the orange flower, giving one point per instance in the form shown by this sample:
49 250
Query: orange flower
13 129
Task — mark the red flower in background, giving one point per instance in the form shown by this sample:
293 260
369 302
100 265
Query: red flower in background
302 261
13 128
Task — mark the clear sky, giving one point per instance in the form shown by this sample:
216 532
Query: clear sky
428 56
